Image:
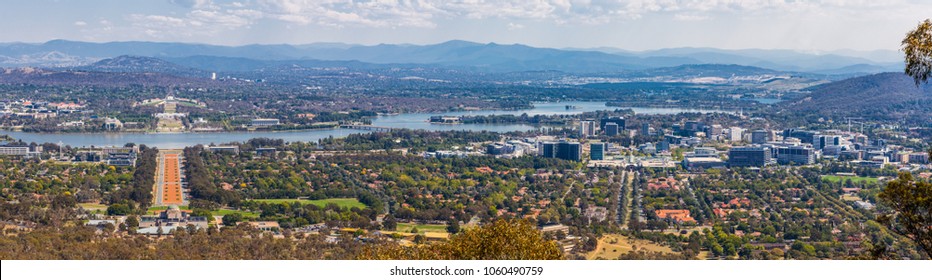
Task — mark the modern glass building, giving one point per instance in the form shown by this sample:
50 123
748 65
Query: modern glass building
748 156
597 151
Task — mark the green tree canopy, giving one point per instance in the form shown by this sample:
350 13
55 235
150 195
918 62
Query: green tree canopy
118 209
912 202
232 219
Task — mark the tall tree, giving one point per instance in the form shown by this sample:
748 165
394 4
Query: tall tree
918 48
389 222
231 219
453 226
912 202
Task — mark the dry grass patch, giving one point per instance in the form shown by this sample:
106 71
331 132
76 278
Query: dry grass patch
613 245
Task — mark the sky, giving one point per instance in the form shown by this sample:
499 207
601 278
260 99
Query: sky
813 26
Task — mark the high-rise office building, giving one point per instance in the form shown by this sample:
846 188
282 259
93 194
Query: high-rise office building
562 150
597 151
587 128
693 126
822 141
748 156
795 155
735 134
548 149
713 131
760 137
804 136
569 151
611 129
645 129
617 120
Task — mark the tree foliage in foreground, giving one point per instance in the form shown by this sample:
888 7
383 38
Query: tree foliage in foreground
918 49
912 202
503 239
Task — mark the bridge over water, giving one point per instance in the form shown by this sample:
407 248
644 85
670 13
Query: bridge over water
368 127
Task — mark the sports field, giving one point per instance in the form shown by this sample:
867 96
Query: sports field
855 179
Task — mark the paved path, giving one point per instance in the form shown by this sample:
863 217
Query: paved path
168 178
626 196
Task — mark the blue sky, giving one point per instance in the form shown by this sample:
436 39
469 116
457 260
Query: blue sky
632 25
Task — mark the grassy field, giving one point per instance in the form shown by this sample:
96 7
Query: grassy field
169 107
406 227
93 207
848 197
185 103
152 210
613 245
224 212
169 125
688 231
342 202
834 178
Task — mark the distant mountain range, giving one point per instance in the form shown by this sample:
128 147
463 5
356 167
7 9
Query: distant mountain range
486 57
841 62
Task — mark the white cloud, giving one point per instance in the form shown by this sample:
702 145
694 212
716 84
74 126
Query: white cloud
80 23
426 13
211 18
690 17
224 19
208 20
350 13
197 4
107 26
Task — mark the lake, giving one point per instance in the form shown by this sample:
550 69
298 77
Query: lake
767 101
409 121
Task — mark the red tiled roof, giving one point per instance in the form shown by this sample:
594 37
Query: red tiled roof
681 215
663 183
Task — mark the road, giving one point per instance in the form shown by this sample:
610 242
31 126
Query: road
625 196
168 178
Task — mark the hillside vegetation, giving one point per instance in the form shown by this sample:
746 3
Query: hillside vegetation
888 96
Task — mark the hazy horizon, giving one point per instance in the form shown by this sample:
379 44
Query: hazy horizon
878 55
827 51
804 26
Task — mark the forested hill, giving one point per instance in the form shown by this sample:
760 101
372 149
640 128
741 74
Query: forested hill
142 64
884 95
45 77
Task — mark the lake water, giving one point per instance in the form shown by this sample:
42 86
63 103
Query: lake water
767 101
410 121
